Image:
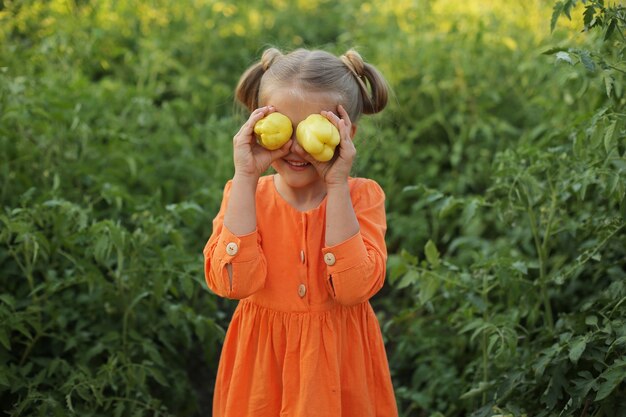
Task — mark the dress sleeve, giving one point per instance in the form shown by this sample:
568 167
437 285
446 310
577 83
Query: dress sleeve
242 253
356 267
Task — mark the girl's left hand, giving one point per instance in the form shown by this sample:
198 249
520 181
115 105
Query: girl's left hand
337 170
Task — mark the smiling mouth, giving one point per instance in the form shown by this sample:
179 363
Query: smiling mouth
297 164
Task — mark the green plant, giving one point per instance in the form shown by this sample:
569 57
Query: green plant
501 154
524 312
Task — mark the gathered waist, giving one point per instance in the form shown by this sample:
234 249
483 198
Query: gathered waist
318 310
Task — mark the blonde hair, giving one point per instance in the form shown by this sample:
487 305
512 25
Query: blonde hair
362 88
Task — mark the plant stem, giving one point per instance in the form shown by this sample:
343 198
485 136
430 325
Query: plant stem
584 413
485 292
27 270
542 255
544 252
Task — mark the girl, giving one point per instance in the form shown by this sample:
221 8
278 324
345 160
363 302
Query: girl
304 250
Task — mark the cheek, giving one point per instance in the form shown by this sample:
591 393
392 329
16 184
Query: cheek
279 165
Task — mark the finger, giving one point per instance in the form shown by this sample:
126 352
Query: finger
344 114
258 114
342 124
299 150
341 116
247 130
345 118
332 117
282 151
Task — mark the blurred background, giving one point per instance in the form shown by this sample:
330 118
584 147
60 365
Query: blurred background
502 154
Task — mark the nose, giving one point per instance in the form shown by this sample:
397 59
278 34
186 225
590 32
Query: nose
296 149
294 142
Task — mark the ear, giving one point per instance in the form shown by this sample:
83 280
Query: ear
353 131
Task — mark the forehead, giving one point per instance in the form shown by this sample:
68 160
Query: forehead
297 104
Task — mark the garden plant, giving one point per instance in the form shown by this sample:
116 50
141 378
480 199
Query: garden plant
502 155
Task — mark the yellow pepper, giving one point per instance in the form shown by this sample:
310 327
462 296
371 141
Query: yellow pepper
274 130
318 136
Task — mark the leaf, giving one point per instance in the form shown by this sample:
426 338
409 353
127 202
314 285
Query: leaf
585 58
619 341
484 411
428 287
409 278
68 402
469 211
577 348
432 254
8 299
556 12
588 16
493 339
567 6
158 376
19 326
554 391
564 56
521 267
408 258
608 136
554 50
449 204
613 377
117 236
471 325
478 302
102 248
188 285
585 384
136 300
52 367
485 327
3 378
545 359
396 268
609 81
610 29
119 409
4 339
482 387
153 353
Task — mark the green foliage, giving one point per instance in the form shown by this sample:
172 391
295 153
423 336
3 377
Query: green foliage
502 153
520 310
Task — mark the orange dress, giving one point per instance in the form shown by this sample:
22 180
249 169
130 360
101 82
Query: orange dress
304 340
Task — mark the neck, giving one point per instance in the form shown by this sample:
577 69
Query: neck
302 198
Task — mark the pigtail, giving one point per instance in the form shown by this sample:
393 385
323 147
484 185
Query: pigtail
366 74
247 91
380 90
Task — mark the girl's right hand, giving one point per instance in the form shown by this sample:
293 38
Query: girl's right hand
252 159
